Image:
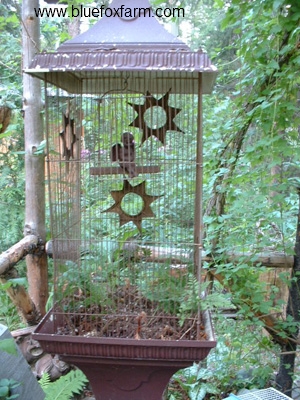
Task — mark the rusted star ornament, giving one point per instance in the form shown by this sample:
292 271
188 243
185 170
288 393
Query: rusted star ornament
146 211
160 132
68 137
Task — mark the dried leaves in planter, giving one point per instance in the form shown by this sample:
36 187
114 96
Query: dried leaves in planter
122 320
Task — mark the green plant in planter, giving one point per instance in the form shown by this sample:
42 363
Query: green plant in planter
72 286
157 285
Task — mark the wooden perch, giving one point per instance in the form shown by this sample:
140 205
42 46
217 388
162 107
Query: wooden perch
28 245
148 169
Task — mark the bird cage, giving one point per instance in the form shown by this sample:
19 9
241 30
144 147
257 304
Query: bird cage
124 158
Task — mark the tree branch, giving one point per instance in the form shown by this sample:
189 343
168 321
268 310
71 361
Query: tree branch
30 244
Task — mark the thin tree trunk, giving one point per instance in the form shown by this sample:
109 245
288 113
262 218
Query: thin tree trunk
34 163
284 378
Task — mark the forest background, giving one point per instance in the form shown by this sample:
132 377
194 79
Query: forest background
251 152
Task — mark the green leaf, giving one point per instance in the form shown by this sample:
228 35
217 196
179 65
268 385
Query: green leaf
66 386
277 4
4 391
5 286
196 392
4 135
18 281
8 346
45 380
273 65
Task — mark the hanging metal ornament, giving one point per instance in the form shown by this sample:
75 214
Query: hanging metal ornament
68 137
139 190
160 131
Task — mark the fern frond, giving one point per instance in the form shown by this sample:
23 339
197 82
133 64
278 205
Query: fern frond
66 386
45 381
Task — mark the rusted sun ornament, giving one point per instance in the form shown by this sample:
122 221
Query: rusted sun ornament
154 130
146 211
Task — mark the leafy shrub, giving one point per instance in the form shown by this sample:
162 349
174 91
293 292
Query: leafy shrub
243 358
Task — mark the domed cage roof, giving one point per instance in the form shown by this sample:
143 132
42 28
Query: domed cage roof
127 41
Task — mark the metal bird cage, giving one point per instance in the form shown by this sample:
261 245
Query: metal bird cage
124 159
123 214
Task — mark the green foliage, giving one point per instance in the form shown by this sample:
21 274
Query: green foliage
192 297
257 178
65 387
11 167
11 201
53 32
8 312
8 345
243 358
73 283
255 100
6 385
158 286
45 381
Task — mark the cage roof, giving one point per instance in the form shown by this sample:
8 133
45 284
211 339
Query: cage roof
128 39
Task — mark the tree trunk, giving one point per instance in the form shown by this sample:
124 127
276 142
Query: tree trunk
20 298
34 163
284 378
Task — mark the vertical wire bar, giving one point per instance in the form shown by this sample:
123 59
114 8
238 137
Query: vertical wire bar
56 172
78 133
48 172
198 229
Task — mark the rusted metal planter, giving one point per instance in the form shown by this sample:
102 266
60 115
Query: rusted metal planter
124 369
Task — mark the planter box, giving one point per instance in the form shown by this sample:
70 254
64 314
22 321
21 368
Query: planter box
119 368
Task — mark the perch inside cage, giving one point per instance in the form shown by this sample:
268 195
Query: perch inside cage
124 157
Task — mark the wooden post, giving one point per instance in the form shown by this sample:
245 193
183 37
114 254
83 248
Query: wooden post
34 163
